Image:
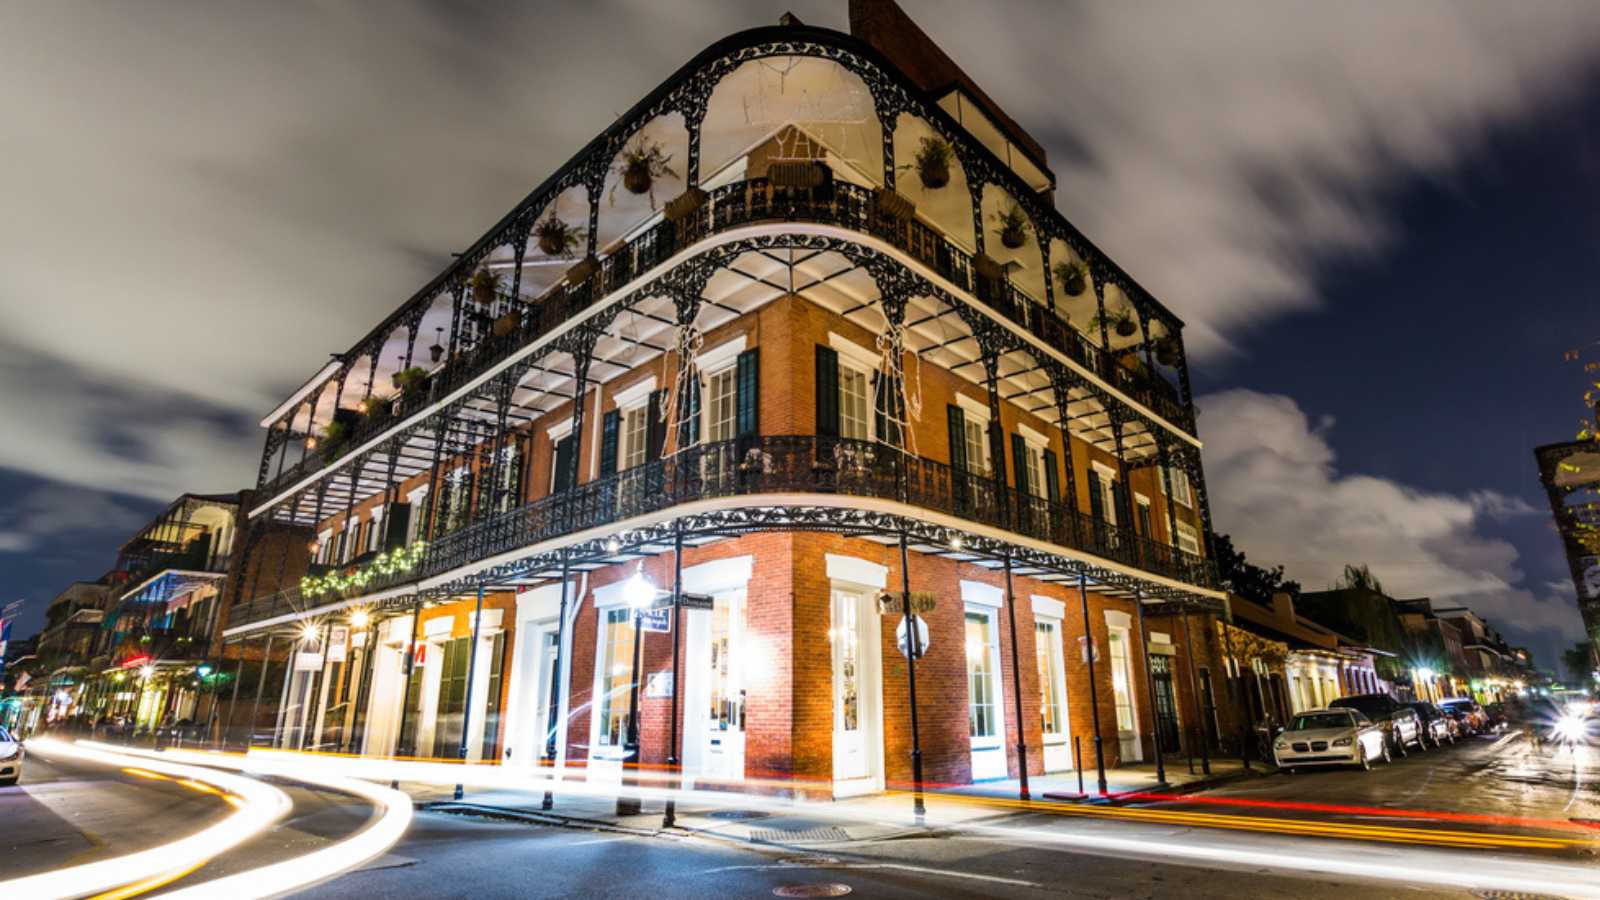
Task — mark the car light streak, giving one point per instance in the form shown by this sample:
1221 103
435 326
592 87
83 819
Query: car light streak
1426 860
263 804
394 817
1375 811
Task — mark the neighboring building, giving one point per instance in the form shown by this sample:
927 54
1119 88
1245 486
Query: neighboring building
1570 473
816 359
1304 665
72 632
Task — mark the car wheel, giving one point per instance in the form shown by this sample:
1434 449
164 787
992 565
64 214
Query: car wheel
7 782
1388 757
1366 761
1400 748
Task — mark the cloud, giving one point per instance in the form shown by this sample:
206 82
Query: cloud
1276 488
56 511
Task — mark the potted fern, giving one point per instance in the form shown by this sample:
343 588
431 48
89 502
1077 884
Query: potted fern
1012 228
1166 350
556 237
1119 321
640 166
932 162
410 379
485 287
1072 277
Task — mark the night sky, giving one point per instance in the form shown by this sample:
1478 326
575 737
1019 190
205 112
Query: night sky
1379 221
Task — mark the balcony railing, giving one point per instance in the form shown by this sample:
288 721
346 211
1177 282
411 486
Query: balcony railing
777 465
734 205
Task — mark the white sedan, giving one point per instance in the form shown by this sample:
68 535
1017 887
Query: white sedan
1330 737
10 758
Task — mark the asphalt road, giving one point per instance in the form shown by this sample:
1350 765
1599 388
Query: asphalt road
68 812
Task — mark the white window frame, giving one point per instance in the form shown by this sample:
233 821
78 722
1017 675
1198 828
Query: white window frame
719 405
352 533
374 529
1182 491
976 419
324 547
414 526
1108 494
1034 445
633 435
1057 656
1187 538
861 364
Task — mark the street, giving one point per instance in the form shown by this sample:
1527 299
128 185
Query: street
1499 789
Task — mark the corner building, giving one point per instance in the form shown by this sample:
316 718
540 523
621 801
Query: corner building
766 386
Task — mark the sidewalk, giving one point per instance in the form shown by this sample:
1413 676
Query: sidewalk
781 822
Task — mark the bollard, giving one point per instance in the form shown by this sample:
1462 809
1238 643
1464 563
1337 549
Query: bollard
1077 761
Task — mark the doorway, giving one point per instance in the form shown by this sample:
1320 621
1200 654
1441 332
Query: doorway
714 688
1166 704
857 717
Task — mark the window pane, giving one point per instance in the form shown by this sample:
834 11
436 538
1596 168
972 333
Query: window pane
1050 713
847 650
854 422
727 699
1119 681
720 404
980 677
634 422
615 669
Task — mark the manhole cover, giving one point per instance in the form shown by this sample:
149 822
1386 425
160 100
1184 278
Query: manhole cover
811 890
798 836
738 814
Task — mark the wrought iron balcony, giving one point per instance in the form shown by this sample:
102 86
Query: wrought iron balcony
797 465
730 206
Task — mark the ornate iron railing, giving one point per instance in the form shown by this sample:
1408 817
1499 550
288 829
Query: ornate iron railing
734 205
778 465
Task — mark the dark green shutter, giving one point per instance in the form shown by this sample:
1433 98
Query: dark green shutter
566 464
395 524
1019 462
958 437
1097 502
880 389
747 417
1052 478
610 429
655 430
827 392
1120 500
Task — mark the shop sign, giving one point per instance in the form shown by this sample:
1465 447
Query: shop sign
658 685
893 603
686 601
338 637
658 620
1083 649
922 636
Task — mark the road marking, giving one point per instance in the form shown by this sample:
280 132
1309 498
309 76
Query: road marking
905 867
604 840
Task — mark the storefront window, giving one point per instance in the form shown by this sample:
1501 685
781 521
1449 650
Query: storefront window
1119 681
980 676
727 699
616 661
1045 642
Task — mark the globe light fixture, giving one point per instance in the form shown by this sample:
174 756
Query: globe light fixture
1425 673
146 671
359 619
638 592
203 670
308 633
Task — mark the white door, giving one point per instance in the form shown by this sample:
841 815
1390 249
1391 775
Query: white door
1122 688
714 694
850 759
542 723
984 706
1052 694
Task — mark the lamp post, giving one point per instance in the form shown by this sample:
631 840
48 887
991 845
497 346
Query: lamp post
638 593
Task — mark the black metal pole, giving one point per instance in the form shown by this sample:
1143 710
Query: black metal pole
405 693
1242 697
630 806
233 704
472 670
1150 689
671 816
913 645
1194 688
552 724
1016 683
1090 649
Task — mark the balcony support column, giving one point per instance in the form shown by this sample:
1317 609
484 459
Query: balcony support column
1091 650
519 253
1183 371
1016 683
458 289
997 433
1061 386
1100 311
472 674
261 686
1150 688
1194 688
503 389
553 725
441 434
405 692
975 185
1042 241
1118 422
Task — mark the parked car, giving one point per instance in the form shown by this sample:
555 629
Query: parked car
1468 713
1401 722
1437 726
11 754
1330 737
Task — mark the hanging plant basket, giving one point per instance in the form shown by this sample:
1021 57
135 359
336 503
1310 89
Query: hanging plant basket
1013 227
485 287
411 379
932 162
1167 351
556 238
1072 278
506 324
1126 326
639 166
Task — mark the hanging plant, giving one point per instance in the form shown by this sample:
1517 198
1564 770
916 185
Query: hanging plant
1072 277
376 407
334 434
556 238
932 162
1166 350
507 323
409 379
485 287
1013 225
640 166
1119 321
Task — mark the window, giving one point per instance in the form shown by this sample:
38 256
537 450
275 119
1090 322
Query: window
1188 539
491 706
1143 507
980 675
616 669
1181 494
635 431
374 532
1035 457
1120 685
720 404
1047 645
510 478
452 697
1106 485
855 418
847 652
977 446
727 698
419 514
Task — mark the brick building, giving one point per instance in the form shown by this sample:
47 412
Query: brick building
795 359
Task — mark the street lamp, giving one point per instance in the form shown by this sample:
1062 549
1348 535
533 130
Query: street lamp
359 619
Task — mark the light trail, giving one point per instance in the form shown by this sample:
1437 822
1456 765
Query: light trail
1428 857
394 817
262 805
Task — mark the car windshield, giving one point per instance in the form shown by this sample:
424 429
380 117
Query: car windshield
1372 706
1458 705
1314 721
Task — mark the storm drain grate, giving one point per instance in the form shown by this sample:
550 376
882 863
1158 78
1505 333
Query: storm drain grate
811 890
1512 895
800 836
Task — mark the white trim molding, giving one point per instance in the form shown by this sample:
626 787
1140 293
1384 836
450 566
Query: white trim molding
857 571
980 594
1049 608
719 357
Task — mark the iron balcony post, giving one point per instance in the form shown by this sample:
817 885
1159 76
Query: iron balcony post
1090 649
472 669
913 644
1016 679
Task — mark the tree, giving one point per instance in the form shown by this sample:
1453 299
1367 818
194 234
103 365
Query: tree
1577 662
1249 581
1359 577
